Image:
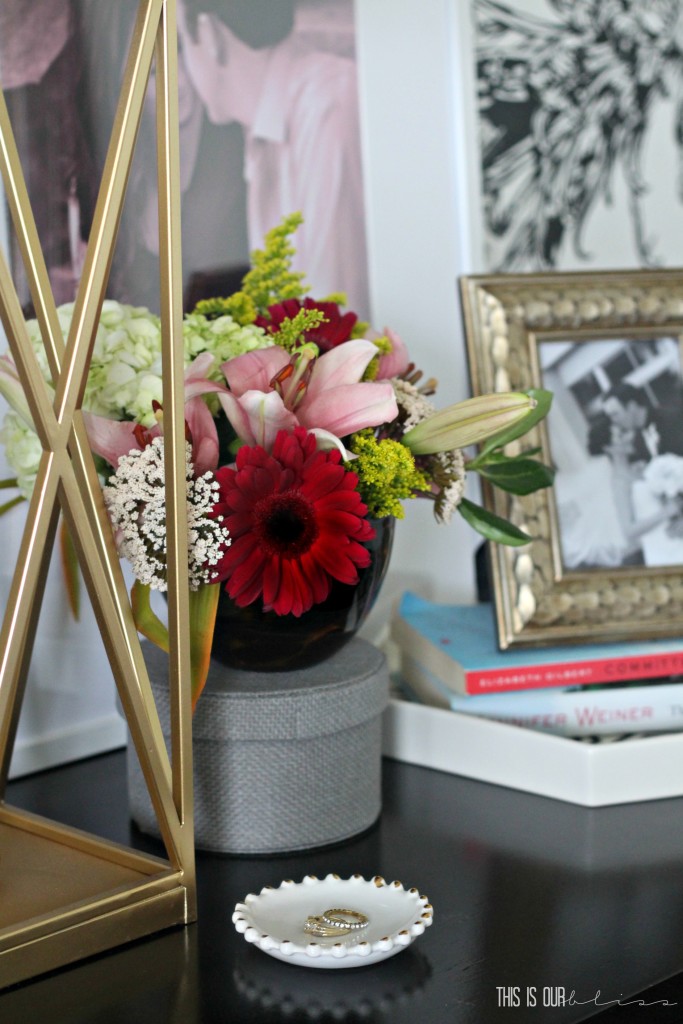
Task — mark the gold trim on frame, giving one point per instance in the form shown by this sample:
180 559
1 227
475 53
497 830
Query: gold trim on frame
506 316
71 894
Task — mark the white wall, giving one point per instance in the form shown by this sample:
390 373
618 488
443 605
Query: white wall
413 94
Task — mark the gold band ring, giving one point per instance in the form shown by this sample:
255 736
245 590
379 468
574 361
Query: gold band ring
317 926
342 917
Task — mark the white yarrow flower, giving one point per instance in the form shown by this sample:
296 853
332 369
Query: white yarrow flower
453 492
412 403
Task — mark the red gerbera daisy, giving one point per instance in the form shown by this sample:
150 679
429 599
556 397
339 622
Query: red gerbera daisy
296 523
334 330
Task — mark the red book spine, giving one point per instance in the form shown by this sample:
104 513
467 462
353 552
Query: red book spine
574 673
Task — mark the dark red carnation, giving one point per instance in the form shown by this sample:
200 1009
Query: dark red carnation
296 522
333 331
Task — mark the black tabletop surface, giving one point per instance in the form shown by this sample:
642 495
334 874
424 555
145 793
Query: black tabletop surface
543 912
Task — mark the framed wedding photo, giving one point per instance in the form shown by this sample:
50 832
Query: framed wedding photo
605 559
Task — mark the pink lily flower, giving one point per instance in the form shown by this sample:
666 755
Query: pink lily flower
269 391
395 362
114 438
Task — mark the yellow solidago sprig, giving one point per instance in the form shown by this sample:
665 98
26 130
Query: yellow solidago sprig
271 278
387 474
291 332
239 306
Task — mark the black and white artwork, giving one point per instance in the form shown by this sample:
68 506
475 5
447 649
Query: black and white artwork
269 126
580 132
617 445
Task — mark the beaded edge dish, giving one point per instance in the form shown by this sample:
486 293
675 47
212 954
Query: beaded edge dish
274 920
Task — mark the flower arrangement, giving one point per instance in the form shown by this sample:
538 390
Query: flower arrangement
303 426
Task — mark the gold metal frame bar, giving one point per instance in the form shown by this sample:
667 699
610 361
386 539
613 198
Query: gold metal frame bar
67 479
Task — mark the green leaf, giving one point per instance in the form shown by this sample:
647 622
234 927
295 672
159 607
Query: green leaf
543 403
491 526
492 458
519 475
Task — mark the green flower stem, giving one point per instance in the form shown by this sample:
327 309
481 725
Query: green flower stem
146 621
203 607
10 504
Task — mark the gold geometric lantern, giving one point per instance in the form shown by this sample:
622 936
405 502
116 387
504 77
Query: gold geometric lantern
67 894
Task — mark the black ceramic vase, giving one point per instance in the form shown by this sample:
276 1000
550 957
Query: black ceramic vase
249 638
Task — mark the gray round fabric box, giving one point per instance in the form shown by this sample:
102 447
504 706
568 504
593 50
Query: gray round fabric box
283 761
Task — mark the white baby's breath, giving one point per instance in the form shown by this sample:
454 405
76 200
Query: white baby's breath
136 501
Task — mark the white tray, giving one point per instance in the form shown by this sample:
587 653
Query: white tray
593 775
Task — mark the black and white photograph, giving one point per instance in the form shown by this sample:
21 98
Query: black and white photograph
579 132
269 126
617 448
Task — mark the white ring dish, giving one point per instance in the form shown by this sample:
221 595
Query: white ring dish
274 920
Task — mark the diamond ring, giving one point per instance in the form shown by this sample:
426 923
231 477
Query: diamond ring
343 918
316 926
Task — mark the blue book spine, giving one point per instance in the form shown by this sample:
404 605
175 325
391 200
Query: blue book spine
458 643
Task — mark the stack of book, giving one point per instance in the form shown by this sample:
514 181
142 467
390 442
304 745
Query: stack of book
449 658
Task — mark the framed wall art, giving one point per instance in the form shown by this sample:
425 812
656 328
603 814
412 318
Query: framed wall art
605 559
574 131
242 163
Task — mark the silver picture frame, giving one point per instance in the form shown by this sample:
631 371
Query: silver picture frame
615 327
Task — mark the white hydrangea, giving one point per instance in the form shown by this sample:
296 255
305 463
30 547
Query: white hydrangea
223 337
125 371
23 451
126 354
136 501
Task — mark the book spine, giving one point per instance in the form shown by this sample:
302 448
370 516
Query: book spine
649 708
595 671
569 670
